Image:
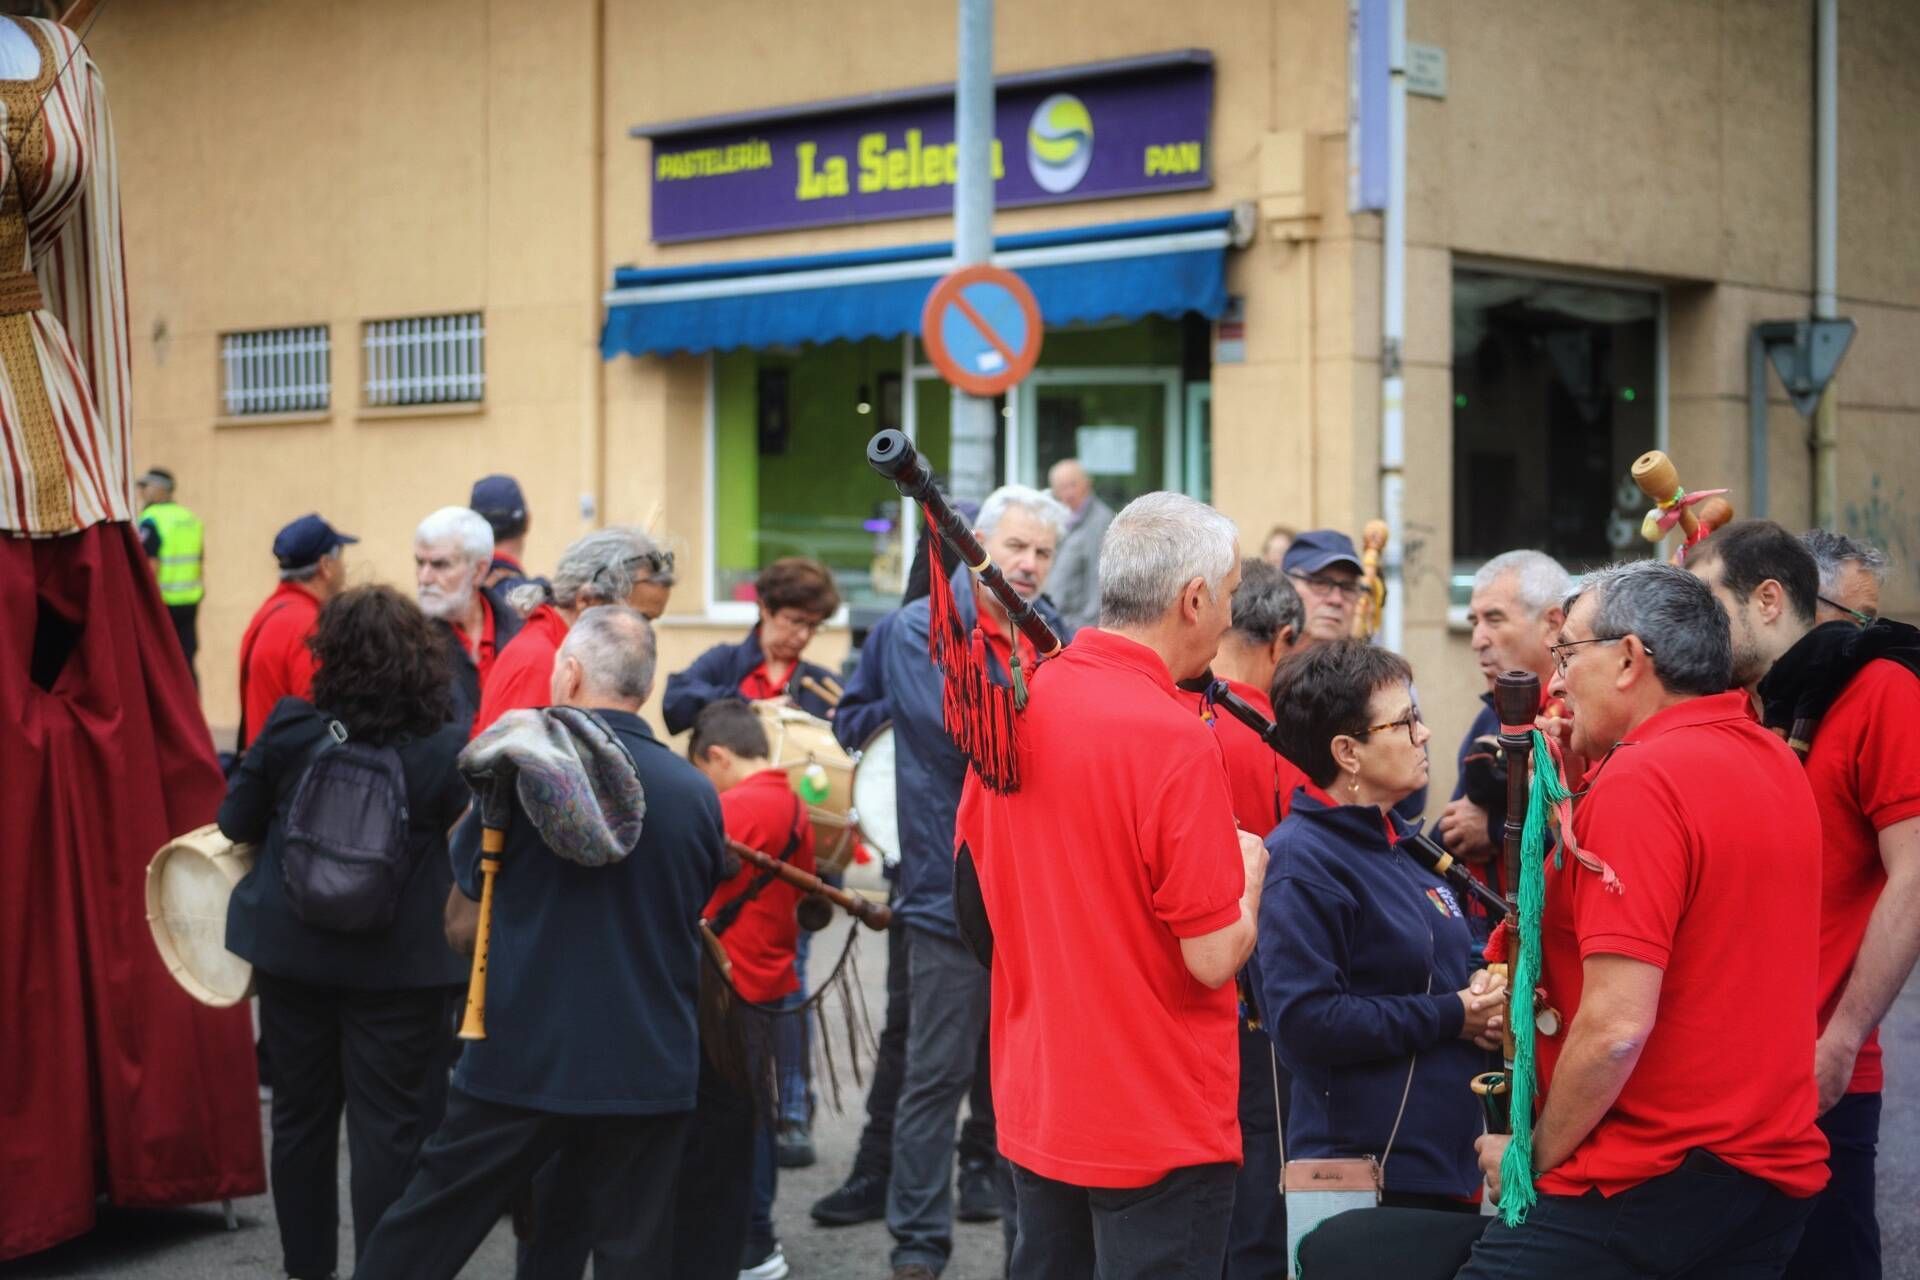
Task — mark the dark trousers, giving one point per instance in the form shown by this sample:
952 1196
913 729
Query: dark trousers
1843 1234
186 625
874 1155
1705 1221
1174 1229
624 1166
715 1182
1257 1234
382 1057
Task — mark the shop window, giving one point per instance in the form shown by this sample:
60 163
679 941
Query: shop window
276 371
426 360
1556 391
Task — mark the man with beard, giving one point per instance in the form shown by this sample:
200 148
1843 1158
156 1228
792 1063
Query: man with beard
1846 698
1515 612
947 987
1679 945
452 553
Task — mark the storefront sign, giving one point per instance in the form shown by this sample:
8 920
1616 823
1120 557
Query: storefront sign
1127 130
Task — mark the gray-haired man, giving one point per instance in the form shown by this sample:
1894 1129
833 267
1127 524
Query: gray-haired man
452 553
1851 575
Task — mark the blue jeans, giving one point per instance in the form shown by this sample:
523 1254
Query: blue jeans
791 1045
766 1164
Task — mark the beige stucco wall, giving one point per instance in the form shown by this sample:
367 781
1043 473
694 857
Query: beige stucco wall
287 164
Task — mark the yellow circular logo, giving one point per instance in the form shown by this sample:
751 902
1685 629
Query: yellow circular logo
1060 143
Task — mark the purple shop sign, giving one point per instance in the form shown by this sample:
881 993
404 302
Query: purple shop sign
1090 133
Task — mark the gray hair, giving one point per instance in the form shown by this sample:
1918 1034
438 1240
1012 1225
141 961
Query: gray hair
462 526
1265 601
1043 507
1539 581
1831 551
601 568
305 572
1156 545
1675 615
614 646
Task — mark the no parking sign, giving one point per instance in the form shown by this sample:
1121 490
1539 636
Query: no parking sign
981 326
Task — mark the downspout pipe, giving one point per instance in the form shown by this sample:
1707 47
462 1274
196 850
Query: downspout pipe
1826 202
1393 328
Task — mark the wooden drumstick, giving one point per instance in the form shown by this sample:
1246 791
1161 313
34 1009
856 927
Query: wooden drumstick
1659 479
493 841
829 694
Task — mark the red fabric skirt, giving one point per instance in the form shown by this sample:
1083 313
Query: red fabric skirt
112 1079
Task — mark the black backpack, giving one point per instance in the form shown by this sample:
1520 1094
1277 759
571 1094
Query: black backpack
344 859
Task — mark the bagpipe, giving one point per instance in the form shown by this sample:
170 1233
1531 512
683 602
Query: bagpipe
1373 585
1697 513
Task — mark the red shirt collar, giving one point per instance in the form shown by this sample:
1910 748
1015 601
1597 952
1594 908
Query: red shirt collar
1716 708
1256 698
1117 650
486 628
757 685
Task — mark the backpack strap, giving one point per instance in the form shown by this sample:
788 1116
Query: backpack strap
724 918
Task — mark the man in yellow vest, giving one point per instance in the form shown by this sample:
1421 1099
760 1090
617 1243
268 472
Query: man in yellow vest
175 541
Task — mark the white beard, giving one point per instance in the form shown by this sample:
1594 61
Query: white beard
444 606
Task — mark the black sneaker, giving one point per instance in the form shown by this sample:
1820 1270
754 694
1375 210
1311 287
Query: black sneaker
794 1147
861 1198
979 1198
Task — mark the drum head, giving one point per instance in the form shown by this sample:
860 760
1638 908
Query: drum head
189 884
874 803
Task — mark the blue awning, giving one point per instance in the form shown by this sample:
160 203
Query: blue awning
1123 270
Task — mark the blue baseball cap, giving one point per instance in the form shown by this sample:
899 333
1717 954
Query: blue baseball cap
499 499
1318 549
305 540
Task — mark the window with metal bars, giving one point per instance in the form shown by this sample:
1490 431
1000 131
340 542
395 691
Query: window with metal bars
276 371
426 360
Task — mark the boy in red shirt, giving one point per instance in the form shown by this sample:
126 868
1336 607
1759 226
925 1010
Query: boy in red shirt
1846 699
1679 1087
725 1219
1121 905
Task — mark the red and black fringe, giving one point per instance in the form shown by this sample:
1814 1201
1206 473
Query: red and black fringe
978 711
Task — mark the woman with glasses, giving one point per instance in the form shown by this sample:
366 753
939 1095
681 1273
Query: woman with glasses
1367 969
796 596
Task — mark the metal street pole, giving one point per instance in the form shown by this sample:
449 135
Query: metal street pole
971 465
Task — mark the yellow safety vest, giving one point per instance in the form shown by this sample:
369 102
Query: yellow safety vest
181 539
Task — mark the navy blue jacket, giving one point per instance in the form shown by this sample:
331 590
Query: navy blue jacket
929 770
863 704
1361 952
594 972
1487 721
717 674
412 951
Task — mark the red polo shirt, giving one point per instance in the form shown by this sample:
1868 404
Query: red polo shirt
1708 820
1112 1065
764 813
1865 773
522 677
1261 780
275 662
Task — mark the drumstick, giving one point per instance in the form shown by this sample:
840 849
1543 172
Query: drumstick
870 914
474 1026
828 692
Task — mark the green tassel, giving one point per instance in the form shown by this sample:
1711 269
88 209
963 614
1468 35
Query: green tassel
1545 790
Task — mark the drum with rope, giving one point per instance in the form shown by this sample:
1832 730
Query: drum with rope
822 774
189 884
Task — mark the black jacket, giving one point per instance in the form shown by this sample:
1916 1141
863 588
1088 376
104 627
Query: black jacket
261 925
594 972
466 676
717 674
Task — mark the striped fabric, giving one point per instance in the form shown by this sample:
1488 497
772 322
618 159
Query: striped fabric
65 446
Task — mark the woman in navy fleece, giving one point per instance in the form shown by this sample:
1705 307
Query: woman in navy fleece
1373 991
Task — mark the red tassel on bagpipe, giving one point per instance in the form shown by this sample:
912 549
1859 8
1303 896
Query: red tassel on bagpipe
977 711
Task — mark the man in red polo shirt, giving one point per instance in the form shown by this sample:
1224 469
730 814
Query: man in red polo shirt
1847 698
452 551
1121 905
1680 1085
1267 621
275 662
617 565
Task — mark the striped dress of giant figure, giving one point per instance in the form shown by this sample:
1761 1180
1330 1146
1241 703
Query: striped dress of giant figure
115 1082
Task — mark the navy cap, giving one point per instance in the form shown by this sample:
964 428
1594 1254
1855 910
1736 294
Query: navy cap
305 540
499 499
1317 549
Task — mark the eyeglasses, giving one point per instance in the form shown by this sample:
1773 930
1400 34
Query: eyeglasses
1409 722
1324 586
1559 651
795 620
1863 619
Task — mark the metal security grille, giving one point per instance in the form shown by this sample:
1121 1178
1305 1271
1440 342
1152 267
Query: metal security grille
276 370
426 360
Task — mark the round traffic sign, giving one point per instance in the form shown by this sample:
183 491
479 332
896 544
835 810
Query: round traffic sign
982 329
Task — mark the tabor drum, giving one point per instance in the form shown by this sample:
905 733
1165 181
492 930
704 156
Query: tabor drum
822 774
875 808
189 883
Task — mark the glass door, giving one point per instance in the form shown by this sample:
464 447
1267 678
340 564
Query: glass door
1123 424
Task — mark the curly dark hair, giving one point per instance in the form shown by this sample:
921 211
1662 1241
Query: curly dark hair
384 670
795 582
1322 692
